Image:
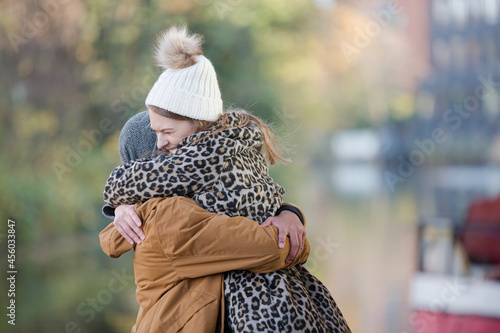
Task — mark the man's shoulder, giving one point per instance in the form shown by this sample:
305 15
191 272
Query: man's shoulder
165 203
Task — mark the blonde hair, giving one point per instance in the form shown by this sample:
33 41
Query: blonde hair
273 147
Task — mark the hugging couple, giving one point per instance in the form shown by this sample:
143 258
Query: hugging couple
216 249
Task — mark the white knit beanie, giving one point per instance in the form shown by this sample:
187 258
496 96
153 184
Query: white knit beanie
188 86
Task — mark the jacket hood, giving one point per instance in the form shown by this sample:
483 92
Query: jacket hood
233 133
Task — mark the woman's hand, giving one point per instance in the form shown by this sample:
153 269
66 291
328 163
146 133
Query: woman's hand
128 224
288 224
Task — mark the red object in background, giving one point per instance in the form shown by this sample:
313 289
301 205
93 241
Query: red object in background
481 232
439 322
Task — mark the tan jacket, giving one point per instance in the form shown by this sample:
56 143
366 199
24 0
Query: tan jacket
179 266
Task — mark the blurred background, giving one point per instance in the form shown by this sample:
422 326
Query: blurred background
391 108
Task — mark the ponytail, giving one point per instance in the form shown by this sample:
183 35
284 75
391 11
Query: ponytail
273 147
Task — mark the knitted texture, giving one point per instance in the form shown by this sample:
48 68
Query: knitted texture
137 139
188 86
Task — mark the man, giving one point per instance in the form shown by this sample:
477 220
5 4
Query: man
179 265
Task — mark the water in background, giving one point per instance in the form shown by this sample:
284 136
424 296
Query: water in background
363 229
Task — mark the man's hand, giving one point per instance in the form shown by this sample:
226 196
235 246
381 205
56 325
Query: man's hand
288 224
128 224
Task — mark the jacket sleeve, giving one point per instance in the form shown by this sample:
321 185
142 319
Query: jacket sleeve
112 242
185 170
200 243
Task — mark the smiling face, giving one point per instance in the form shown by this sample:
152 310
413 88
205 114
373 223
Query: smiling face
170 131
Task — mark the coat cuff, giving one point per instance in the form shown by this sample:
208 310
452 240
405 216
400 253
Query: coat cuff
108 211
294 209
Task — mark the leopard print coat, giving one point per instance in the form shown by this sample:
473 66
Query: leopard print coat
226 173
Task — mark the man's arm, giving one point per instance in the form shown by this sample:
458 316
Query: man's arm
201 243
112 242
290 222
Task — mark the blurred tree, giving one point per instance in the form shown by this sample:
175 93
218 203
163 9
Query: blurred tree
74 71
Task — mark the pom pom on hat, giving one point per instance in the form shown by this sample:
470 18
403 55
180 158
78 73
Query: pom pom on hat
177 49
188 85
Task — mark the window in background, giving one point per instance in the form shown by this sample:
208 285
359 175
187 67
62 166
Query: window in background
475 11
441 54
460 11
489 50
440 12
491 11
474 54
459 53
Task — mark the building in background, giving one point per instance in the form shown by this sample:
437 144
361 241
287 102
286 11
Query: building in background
461 96
456 131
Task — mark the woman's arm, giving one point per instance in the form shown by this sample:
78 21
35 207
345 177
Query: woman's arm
128 224
200 243
184 171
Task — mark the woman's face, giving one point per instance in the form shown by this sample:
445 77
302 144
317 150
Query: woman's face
170 131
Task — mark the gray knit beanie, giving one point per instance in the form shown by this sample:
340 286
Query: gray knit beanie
137 139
